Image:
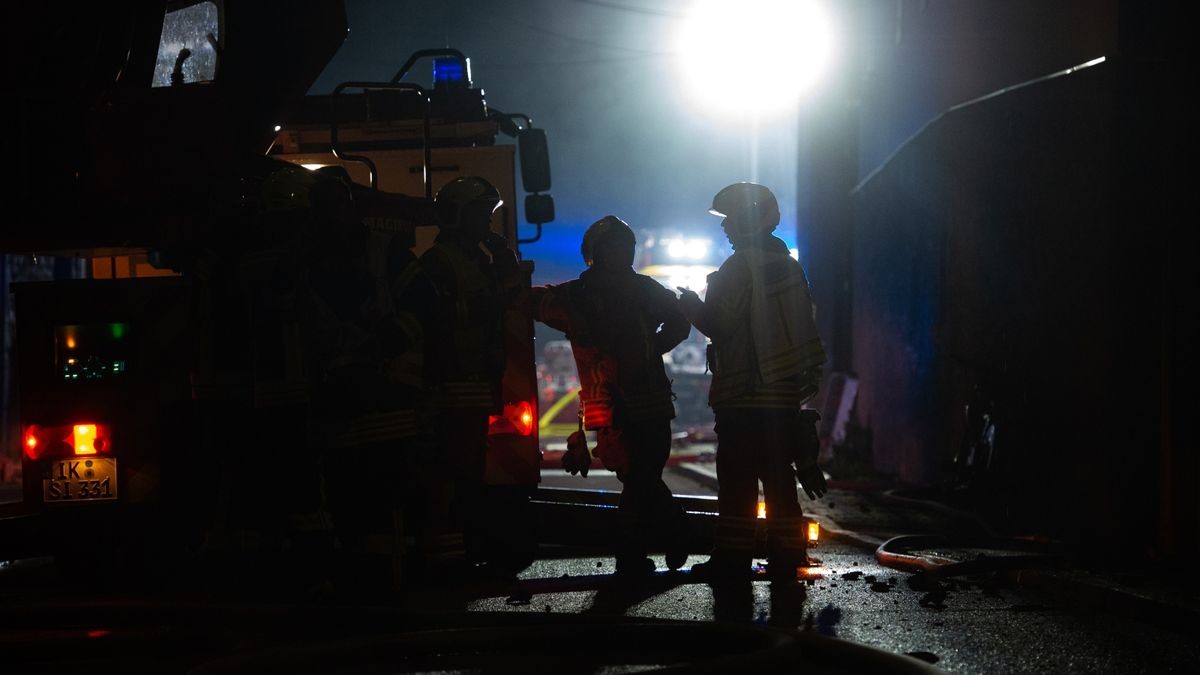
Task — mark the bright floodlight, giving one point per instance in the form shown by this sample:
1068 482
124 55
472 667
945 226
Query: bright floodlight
753 57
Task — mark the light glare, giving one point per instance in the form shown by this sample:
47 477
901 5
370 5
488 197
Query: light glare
753 57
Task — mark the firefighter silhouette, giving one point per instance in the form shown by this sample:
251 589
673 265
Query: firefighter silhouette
620 324
250 375
404 340
766 361
367 342
471 269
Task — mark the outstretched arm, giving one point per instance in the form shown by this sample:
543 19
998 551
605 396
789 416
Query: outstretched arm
546 304
675 326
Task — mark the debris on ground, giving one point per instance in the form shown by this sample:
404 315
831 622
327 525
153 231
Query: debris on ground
519 598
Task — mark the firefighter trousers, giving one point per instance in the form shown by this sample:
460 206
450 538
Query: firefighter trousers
757 444
462 434
651 519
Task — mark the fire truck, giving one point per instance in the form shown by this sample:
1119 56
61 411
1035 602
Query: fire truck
169 128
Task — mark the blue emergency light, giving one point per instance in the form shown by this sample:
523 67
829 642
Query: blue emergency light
451 72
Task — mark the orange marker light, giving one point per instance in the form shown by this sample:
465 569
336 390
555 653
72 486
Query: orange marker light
814 531
762 509
85 439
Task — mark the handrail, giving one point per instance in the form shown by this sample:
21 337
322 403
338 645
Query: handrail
362 159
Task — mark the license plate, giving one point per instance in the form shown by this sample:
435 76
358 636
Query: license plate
91 479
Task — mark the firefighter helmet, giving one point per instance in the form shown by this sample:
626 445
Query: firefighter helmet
287 187
602 230
749 208
464 199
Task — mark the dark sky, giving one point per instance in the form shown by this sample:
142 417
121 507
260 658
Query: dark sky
601 78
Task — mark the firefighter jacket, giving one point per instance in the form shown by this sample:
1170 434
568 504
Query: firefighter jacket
613 320
465 355
407 315
344 352
765 351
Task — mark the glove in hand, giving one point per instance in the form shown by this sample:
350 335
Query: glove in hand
812 480
577 459
610 448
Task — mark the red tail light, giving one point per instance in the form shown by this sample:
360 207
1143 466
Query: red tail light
69 439
517 418
33 445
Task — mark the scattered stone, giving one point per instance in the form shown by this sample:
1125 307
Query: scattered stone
933 600
852 576
599 563
880 587
877 627
870 578
547 608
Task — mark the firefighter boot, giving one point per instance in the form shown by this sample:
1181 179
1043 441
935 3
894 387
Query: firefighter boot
634 568
787 548
724 566
734 540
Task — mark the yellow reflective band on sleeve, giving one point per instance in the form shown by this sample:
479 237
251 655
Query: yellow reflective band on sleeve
597 414
465 395
376 428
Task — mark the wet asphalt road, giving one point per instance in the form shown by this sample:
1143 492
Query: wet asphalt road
973 628
977 625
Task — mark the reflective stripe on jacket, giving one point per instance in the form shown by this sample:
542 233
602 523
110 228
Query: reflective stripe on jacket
466 359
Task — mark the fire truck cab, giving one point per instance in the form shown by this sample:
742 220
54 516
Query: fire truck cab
164 136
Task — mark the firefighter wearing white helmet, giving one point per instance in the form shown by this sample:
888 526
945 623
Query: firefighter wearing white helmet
766 361
472 270
620 324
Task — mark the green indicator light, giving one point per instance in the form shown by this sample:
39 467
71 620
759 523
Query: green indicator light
117 330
